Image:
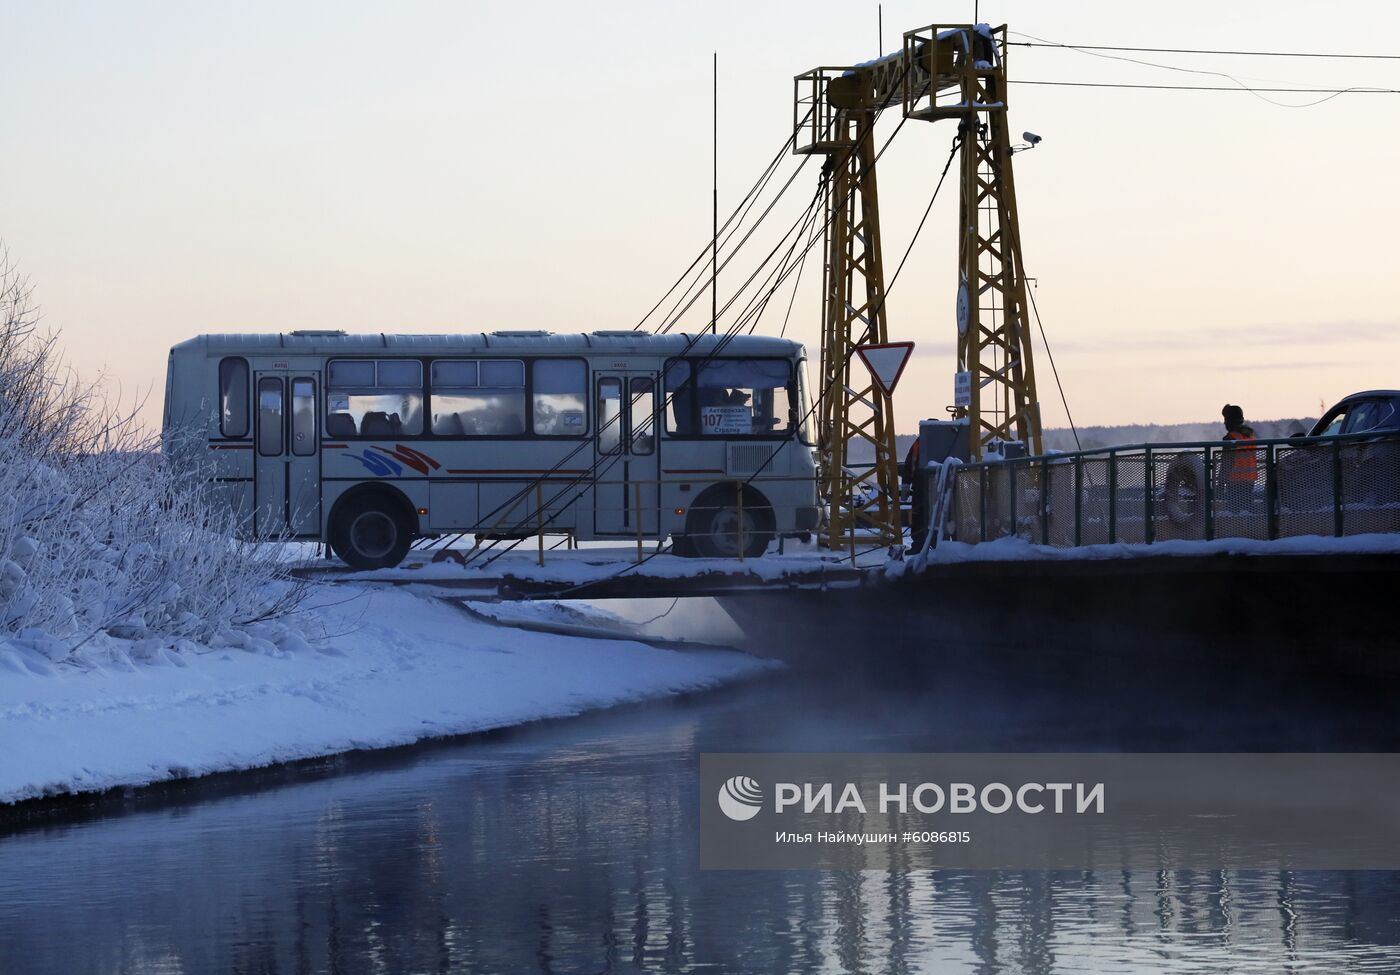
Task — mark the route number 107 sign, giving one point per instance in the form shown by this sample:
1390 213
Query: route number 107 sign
726 419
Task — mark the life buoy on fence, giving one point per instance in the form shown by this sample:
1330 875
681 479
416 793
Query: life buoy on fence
1185 495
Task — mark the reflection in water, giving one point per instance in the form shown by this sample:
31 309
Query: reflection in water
571 847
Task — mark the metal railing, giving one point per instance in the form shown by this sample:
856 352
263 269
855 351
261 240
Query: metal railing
1145 493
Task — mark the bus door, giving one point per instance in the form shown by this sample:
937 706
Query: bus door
625 492
287 479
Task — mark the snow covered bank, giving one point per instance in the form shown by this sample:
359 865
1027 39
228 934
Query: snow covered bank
599 563
393 668
1012 549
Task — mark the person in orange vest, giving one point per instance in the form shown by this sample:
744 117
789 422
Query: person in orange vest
1240 466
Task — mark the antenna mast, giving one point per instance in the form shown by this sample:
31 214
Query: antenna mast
714 196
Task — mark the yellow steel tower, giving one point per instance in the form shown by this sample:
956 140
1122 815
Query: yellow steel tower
958 72
834 114
965 67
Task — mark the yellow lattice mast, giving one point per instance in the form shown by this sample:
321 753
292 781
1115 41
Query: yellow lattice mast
958 72
966 81
835 110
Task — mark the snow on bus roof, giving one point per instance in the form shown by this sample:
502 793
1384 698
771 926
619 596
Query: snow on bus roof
520 341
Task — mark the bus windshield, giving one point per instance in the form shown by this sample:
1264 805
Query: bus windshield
804 406
732 398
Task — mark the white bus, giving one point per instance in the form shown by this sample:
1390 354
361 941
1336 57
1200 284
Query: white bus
368 442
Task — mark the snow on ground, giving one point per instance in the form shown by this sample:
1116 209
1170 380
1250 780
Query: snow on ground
694 619
548 611
592 563
392 667
1011 549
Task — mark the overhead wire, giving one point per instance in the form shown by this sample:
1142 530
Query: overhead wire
1096 49
734 252
798 281
755 189
754 309
1329 92
1199 50
750 308
675 319
1258 91
1064 401
702 281
730 333
816 402
587 478
786 266
509 503
789 263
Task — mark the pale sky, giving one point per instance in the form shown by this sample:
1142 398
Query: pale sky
170 169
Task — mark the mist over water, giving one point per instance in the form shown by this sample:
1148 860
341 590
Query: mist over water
572 846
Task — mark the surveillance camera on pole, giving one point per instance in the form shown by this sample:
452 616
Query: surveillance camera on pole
1031 141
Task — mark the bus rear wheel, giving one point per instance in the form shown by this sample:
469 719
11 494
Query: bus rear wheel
720 529
368 532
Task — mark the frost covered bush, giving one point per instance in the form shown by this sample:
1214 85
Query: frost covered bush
101 532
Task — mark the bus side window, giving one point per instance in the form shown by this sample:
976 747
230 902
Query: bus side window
681 396
609 416
643 416
374 398
560 398
478 397
270 417
233 397
303 417
739 397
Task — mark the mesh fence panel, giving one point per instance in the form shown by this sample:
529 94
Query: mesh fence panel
999 501
1370 487
1131 498
1028 502
967 505
1241 502
1305 486
1059 487
1093 515
1179 495
1187 493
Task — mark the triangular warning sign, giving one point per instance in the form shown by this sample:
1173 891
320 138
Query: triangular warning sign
886 362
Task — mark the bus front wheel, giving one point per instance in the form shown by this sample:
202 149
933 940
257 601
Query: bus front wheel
722 529
368 532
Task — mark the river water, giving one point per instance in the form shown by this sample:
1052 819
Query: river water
571 847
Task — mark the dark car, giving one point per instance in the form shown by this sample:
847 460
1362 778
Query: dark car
1369 485
1377 410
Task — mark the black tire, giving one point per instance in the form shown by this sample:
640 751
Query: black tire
370 532
714 528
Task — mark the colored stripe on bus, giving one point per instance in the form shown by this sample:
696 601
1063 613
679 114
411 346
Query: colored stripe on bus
456 470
